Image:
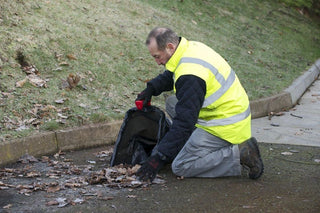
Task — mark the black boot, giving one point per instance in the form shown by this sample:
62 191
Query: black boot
250 158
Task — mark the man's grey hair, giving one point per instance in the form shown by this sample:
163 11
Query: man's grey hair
163 36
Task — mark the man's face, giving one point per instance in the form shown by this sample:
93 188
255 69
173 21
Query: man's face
160 56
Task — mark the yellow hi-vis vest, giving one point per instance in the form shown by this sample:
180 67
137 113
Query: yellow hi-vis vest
225 112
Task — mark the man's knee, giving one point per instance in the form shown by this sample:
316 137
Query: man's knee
178 169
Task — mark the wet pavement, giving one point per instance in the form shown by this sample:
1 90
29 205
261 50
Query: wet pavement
291 183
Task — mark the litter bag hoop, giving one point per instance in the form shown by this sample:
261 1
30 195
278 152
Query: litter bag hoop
140 131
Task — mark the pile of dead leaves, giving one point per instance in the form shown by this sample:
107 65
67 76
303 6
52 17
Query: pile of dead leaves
118 176
40 113
33 74
56 174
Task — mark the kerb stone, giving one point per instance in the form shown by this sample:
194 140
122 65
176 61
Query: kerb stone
88 136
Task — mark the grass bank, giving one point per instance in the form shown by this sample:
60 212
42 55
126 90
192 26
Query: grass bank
102 42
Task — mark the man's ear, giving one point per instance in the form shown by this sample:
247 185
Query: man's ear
171 47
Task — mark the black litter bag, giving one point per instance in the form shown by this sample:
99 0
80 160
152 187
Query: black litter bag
140 131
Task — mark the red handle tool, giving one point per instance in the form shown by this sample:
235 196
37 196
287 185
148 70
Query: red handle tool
139 104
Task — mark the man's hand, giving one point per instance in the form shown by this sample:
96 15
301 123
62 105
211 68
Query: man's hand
146 95
150 168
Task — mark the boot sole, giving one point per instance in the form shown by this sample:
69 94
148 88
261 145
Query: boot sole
256 148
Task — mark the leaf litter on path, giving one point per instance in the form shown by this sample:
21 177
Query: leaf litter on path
61 178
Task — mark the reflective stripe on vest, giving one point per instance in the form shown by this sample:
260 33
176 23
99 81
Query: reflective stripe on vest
225 85
226 121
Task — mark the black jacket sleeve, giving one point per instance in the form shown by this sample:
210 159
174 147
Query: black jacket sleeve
190 92
161 83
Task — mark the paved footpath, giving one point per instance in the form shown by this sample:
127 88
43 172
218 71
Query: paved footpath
298 126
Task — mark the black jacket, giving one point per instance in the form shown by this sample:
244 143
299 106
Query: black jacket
190 92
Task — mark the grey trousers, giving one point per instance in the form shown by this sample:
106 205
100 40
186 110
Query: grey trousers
205 155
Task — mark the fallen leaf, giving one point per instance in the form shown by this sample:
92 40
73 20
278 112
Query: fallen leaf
134 169
53 189
158 181
57 155
248 207
20 84
30 70
64 63
78 200
276 125
33 174
136 183
60 101
52 203
7 206
58 56
71 57
7 95
180 177
45 158
26 192
122 170
72 185
22 127
91 161
286 153
62 116
82 105
27 159
105 198
62 202
24 187
73 80
104 153
36 81
4 187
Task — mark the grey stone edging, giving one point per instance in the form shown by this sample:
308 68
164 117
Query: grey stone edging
289 97
276 103
105 134
301 84
64 140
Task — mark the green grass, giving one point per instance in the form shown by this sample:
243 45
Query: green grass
267 43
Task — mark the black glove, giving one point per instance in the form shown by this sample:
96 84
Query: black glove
146 95
150 168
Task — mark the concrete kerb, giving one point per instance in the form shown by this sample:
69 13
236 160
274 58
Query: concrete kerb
87 136
301 84
42 144
64 140
105 134
289 97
